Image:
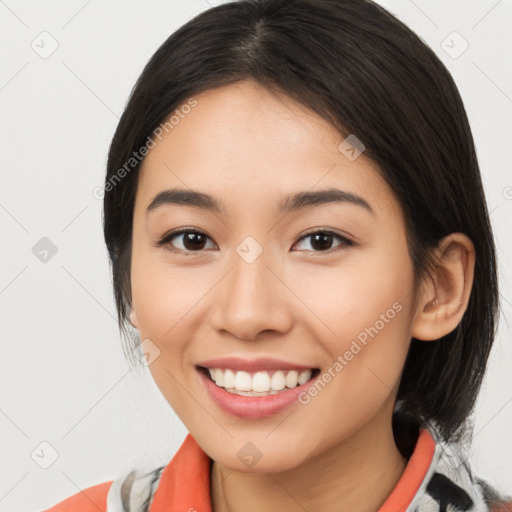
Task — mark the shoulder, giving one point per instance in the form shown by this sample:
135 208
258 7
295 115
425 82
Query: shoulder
451 484
92 499
131 490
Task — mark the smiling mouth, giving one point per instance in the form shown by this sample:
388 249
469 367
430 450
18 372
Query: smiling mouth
261 383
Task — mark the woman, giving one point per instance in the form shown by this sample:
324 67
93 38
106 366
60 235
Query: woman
297 229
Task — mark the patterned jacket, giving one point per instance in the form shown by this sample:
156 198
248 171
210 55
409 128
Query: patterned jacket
437 478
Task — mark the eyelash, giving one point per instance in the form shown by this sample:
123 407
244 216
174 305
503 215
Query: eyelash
166 239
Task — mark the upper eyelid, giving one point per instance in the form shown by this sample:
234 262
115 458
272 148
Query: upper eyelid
166 238
342 238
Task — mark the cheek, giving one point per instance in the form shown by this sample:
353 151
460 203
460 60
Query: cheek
363 316
166 307
352 297
164 294
165 300
362 372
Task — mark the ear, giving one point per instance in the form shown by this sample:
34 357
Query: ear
133 318
445 297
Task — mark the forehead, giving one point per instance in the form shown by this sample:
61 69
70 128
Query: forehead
243 141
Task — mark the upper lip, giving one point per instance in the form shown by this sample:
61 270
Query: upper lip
253 365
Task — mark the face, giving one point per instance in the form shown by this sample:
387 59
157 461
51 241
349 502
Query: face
325 284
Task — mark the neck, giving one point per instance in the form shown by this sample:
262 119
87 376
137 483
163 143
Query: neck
358 473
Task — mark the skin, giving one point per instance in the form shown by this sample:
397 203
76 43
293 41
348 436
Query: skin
249 148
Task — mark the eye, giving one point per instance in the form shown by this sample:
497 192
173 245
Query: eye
321 241
191 240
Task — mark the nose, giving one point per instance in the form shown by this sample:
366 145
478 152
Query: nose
252 299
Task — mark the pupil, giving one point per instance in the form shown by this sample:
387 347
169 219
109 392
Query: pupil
193 241
196 241
321 241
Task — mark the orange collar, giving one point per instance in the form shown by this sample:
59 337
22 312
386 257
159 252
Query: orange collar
185 482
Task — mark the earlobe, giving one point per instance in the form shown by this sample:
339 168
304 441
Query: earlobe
445 299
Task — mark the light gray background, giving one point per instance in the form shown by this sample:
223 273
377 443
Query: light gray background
63 376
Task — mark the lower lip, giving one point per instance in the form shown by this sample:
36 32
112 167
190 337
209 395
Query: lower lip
253 407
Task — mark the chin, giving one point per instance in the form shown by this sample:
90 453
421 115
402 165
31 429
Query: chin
258 456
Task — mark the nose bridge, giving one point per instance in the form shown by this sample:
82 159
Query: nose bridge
250 279
251 300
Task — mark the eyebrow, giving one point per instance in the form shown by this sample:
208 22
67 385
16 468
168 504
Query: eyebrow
289 204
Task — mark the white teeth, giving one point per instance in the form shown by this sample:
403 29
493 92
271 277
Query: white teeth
304 377
277 381
250 393
229 379
291 379
243 381
219 377
260 383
